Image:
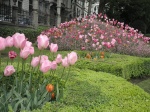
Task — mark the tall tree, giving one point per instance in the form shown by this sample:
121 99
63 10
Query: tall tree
102 4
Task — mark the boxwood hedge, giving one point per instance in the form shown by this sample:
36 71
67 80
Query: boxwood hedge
120 65
90 91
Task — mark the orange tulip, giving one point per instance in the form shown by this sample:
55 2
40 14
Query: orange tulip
102 57
49 87
88 56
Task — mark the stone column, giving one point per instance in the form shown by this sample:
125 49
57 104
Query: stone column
89 7
15 14
69 5
83 3
47 13
35 13
58 12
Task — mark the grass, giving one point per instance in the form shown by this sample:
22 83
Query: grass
145 85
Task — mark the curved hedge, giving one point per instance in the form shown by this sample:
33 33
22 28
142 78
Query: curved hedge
89 91
120 65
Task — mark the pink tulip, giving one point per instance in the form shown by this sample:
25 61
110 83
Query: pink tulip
53 47
28 44
43 58
35 61
31 50
58 58
9 41
19 40
53 65
43 42
72 58
83 48
65 62
25 52
12 54
9 70
45 66
2 43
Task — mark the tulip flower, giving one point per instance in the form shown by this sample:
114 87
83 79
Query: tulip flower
43 42
53 48
2 43
9 70
9 41
58 58
25 52
12 54
45 66
65 62
35 61
19 40
53 65
43 58
72 58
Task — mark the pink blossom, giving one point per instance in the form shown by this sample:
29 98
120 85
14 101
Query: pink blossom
28 44
58 58
9 70
2 43
12 54
25 52
19 40
113 41
53 47
102 37
72 58
43 42
45 66
53 65
35 61
9 41
43 58
31 50
65 62
83 48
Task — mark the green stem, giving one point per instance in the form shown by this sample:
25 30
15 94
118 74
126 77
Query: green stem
0 62
68 75
18 65
30 62
39 59
62 74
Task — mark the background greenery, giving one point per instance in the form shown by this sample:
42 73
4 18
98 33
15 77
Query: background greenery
30 33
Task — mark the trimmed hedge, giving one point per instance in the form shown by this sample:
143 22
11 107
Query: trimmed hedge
30 33
90 91
120 65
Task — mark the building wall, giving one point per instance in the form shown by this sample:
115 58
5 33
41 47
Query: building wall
25 5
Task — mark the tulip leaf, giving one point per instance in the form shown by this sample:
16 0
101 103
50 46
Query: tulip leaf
17 104
57 94
35 97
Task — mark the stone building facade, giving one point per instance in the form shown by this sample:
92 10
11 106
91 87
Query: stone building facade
42 12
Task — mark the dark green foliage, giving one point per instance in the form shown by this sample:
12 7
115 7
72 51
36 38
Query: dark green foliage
30 33
140 25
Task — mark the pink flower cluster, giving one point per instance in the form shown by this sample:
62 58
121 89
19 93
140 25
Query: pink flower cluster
26 49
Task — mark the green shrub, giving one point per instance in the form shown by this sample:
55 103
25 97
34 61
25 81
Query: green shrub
120 65
30 33
90 91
